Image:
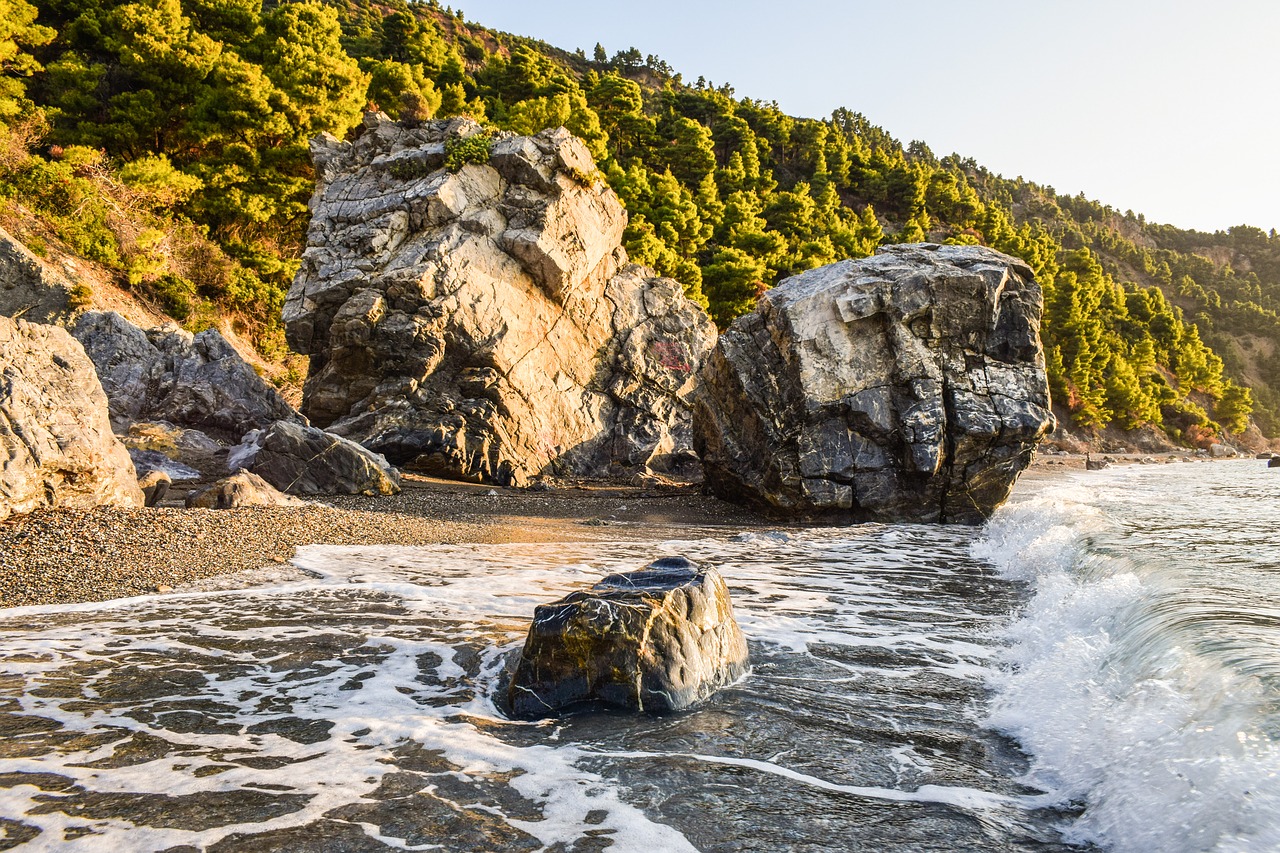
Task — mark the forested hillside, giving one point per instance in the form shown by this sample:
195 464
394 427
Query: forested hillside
168 140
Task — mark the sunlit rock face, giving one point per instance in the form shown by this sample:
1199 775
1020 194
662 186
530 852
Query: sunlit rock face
908 386
657 640
484 323
56 444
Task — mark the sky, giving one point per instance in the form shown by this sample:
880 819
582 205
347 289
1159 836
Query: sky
1166 108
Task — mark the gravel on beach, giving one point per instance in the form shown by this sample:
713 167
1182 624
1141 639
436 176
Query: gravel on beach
62 556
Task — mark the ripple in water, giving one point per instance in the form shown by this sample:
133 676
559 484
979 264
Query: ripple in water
353 712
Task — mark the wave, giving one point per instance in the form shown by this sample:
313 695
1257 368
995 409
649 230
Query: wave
1105 682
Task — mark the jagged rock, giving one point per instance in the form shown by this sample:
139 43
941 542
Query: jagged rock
147 461
908 386
168 374
56 444
155 486
659 639
29 287
182 453
304 460
484 324
240 489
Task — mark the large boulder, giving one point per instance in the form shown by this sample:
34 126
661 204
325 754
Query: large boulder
484 323
304 460
168 374
56 444
908 386
660 639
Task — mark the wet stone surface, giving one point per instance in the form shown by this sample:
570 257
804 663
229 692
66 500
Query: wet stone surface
660 639
355 711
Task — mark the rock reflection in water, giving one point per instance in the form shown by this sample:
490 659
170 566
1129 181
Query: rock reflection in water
354 712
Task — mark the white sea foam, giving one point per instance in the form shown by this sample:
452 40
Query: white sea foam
386 659
1107 683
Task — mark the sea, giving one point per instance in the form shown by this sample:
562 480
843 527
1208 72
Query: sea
1097 668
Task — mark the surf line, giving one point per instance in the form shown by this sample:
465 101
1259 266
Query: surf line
965 798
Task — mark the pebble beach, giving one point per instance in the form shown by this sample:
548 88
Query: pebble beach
63 556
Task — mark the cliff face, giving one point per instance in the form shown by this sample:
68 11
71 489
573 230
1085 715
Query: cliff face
483 322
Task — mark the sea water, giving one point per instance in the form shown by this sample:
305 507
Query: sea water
1095 669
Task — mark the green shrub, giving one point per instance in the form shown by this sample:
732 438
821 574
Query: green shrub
467 149
79 296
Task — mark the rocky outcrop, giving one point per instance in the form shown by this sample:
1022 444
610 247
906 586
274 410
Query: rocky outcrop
483 323
56 444
304 460
29 287
168 374
182 453
239 490
660 639
908 386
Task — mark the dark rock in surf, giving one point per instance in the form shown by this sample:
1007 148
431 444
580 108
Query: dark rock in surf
1274 462
908 386
657 640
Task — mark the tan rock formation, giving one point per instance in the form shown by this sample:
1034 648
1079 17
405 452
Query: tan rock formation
56 444
484 323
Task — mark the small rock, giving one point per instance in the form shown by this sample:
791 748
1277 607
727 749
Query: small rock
163 588
1274 462
241 489
304 460
155 485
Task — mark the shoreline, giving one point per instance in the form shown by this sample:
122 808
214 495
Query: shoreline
73 556
66 556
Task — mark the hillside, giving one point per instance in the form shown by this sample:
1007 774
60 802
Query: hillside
166 140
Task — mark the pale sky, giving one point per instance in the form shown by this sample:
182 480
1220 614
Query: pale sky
1166 108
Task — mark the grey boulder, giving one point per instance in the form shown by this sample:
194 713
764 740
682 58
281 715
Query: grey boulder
168 374
908 386
304 460
56 444
656 640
